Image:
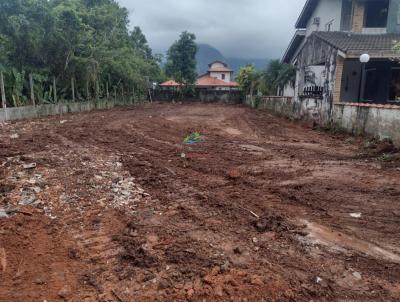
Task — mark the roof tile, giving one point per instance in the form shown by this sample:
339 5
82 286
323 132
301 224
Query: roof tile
359 43
210 81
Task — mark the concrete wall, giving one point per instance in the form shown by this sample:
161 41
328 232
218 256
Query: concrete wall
209 96
308 109
374 121
29 112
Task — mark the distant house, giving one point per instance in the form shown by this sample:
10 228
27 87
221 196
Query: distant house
171 84
218 77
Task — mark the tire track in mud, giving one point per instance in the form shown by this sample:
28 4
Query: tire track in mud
94 244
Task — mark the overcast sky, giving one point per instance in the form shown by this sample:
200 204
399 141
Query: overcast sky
238 28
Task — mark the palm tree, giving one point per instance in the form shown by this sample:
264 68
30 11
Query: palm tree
277 76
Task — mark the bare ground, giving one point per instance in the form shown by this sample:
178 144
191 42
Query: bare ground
262 210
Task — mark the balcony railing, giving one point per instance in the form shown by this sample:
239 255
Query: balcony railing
313 92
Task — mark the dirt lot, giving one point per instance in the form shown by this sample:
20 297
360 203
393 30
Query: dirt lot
262 209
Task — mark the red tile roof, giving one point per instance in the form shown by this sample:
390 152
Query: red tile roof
207 81
170 83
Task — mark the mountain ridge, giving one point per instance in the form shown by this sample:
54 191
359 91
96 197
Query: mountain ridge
207 54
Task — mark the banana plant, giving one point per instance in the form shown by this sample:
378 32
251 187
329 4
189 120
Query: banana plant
18 82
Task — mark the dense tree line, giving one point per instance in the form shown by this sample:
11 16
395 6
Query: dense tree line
87 40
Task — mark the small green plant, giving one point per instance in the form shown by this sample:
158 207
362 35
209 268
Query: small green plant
193 137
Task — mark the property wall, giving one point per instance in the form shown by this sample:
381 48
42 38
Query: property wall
231 97
28 112
360 119
328 11
376 120
308 109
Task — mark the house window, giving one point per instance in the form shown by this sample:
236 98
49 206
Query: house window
376 13
223 76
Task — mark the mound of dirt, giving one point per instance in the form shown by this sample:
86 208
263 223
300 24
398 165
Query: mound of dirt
273 222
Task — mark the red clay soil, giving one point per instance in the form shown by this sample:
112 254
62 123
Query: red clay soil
262 209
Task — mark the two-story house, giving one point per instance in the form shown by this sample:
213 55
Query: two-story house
331 36
218 77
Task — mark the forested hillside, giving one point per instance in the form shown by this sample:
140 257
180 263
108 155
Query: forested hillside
208 53
85 40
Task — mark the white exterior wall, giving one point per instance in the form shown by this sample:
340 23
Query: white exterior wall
289 90
218 75
327 11
319 73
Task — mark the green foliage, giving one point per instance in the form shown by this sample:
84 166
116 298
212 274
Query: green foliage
277 76
17 87
192 137
181 60
248 79
85 39
139 42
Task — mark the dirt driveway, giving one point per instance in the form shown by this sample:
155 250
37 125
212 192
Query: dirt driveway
111 206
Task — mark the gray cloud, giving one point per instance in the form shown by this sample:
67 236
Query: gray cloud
239 28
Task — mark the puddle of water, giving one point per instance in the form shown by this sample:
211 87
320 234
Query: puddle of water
323 235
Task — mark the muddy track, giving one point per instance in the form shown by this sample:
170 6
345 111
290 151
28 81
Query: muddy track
262 210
